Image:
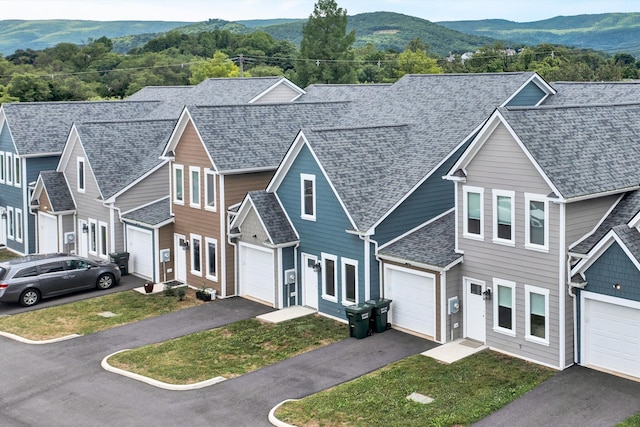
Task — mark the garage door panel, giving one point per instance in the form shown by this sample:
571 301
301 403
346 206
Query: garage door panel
140 248
47 234
413 300
257 273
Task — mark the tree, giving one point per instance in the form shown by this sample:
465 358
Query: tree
417 62
326 54
29 88
218 66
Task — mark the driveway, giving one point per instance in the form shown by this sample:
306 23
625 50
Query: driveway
63 384
577 396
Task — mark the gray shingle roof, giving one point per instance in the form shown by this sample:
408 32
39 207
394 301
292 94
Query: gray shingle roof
230 91
631 239
43 127
583 150
433 244
256 135
338 92
594 93
121 152
152 215
161 93
58 191
273 217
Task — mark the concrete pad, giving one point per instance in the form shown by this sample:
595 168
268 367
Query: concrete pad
454 351
157 288
286 314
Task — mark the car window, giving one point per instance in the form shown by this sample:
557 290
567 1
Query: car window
26 272
75 264
51 267
3 272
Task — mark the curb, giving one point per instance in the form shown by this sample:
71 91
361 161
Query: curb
34 342
159 384
272 418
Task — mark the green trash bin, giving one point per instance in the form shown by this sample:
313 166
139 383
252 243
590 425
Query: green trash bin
122 260
379 313
359 316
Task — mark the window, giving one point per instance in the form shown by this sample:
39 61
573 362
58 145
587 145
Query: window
504 303
212 256
10 223
329 277
103 239
2 168
210 190
472 204
81 175
503 216
51 267
194 173
536 228
19 225
178 184
308 199
349 280
76 264
9 169
17 171
196 260
536 302
26 272
93 237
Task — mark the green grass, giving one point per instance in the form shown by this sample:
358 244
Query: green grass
82 317
463 392
231 350
6 255
634 421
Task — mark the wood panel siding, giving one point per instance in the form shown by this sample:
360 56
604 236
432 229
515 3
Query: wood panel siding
152 188
280 93
584 216
165 241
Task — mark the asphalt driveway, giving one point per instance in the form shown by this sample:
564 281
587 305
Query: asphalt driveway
63 384
577 396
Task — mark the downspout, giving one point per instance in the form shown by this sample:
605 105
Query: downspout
570 287
367 264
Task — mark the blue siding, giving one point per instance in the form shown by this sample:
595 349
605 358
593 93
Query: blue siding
288 262
529 95
328 233
614 266
11 196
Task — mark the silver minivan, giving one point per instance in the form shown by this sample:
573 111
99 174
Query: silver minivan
30 278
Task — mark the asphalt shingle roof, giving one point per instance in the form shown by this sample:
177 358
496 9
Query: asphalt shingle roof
273 217
58 191
338 92
153 214
631 239
594 93
433 244
121 152
583 150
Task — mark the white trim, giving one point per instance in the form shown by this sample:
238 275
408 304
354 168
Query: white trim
304 177
8 170
178 130
101 243
222 274
466 189
193 203
608 299
528 290
93 236
343 265
17 171
599 249
512 195
175 181
208 241
496 296
207 205
280 82
324 258
81 173
19 225
602 219
562 290
192 239
11 223
538 81
467 282
528 198
3 168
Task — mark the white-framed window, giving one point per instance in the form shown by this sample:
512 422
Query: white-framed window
503 217
17 171
196 254
329 277
2 168
473 211
308 196
194 179
10 223
18 227
349 281
178 184
82 183
537 222
504 306
93 237
9 169
210 190
103 239
211 259
536 305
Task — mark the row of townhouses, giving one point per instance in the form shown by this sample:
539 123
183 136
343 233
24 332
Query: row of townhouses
495 207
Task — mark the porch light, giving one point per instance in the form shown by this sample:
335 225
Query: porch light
486 295
4 215
617 286
317 267
85 228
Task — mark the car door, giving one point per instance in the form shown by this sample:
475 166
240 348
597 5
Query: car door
54 280
79 274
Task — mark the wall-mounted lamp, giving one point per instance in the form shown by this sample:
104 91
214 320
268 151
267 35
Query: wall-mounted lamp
617 286
486 295
85 228
4 215
184 244
317 267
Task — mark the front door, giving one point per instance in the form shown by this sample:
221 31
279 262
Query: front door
83 238
309 281
180 251
474 312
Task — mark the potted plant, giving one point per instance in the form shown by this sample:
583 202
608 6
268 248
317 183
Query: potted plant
202 294
148 286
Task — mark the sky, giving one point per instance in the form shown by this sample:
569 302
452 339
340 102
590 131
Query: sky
235 10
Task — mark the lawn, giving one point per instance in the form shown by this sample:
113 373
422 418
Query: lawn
630 422
83 317
5 255
463 392
231 350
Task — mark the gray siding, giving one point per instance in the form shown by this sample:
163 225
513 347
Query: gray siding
582 217
453 279
150 189
501 164
281 93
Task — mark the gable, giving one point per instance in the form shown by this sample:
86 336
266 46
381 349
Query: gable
529 95
280 92
613 267
189 149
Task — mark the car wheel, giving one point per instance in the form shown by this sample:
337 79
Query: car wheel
30 297
105 281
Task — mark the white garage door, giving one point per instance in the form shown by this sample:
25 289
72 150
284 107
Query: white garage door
413 294
611 336
140 248
47 234
257 273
